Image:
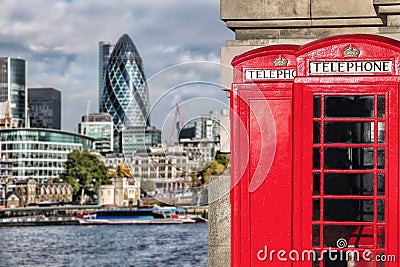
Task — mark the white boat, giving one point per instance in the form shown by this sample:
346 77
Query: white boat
126 216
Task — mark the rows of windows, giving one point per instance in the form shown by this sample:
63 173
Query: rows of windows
37 172
38 164
42 136
38 147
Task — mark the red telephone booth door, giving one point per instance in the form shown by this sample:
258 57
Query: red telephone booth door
350 171
261 154
347 152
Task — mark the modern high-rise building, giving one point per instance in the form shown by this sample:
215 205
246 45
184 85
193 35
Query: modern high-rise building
13 89
100 127
125 95
44 108
105 49
40 154
139 137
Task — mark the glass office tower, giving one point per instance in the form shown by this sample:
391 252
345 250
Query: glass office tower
13 80
105 50
125 95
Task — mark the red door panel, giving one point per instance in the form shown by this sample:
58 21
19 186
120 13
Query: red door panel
349 172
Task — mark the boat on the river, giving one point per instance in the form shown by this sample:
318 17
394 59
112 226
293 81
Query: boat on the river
126 216
178 213
139 215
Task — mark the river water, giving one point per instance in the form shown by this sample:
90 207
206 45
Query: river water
104 245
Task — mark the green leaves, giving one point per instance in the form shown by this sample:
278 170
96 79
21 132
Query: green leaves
217 166
84 170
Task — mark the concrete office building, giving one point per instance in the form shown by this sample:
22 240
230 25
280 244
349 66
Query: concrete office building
44 108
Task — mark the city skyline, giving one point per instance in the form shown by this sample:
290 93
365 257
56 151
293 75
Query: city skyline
60 44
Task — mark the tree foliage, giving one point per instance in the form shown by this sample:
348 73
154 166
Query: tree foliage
146 186
121 172
84 170
216 167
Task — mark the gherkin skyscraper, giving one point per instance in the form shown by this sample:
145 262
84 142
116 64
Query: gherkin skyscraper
125 95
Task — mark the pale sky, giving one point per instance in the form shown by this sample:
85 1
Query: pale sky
179 41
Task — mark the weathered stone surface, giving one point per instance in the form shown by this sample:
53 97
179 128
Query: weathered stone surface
264 9
386 2
219 256
342 8
393 20
219 221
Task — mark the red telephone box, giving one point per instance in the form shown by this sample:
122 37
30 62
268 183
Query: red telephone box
261 119
328 193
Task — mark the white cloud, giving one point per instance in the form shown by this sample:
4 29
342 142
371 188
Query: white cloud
60 41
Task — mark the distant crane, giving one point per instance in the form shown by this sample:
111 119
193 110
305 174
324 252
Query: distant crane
176 124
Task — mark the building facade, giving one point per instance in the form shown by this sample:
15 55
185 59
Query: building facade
139 137
161 163
100 127
13 89
202 140
123 192
5 174
30 192
44 108
125 95
40 154
105 49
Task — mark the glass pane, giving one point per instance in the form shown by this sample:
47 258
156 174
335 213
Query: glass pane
381 236
317 133
315 237
317 107
337 158
349 158
349 184
348 210
381 158
381 184
367 211
349 132
381 132
316 184
381 106
349 106
316 158
355 236
316 210
381 210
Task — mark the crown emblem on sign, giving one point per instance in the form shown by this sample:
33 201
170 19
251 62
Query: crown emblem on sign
280 61
351 52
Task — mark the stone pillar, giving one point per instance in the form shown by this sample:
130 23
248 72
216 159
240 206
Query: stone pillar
219 221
